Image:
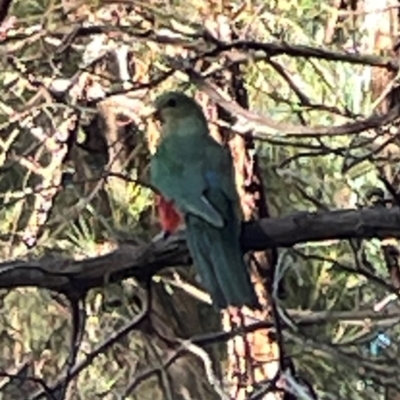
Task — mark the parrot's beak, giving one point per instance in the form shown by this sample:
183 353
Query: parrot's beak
150 112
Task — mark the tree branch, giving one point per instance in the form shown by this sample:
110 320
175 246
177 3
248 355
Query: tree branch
4 8
304 227
141 261
263 126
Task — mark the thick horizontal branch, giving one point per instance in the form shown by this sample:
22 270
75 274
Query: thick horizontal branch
141 261
304 227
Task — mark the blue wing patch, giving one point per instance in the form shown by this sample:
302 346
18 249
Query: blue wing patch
212 178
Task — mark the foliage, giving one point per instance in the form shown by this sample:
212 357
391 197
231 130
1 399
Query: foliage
80 197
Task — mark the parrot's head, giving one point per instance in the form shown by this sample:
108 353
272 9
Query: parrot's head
175 108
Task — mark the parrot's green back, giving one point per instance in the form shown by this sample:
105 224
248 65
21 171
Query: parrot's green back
196 172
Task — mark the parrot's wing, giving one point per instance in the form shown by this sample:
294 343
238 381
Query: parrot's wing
220 176
217 253
184 184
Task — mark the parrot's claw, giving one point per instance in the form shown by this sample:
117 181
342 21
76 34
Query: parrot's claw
163 235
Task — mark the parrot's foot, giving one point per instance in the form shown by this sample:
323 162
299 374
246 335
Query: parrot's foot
163 235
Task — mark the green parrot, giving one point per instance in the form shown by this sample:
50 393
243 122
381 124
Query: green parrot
196 173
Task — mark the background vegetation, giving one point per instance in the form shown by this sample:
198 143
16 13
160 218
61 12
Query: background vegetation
73 162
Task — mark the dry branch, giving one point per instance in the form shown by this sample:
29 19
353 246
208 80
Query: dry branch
141 261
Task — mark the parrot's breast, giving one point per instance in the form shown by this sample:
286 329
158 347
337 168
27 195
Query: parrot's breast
169 217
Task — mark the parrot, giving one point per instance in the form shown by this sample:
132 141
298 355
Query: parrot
195 174
169 217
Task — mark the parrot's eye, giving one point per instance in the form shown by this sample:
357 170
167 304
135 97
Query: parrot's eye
171 103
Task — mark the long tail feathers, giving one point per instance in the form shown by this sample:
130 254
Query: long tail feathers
217 255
